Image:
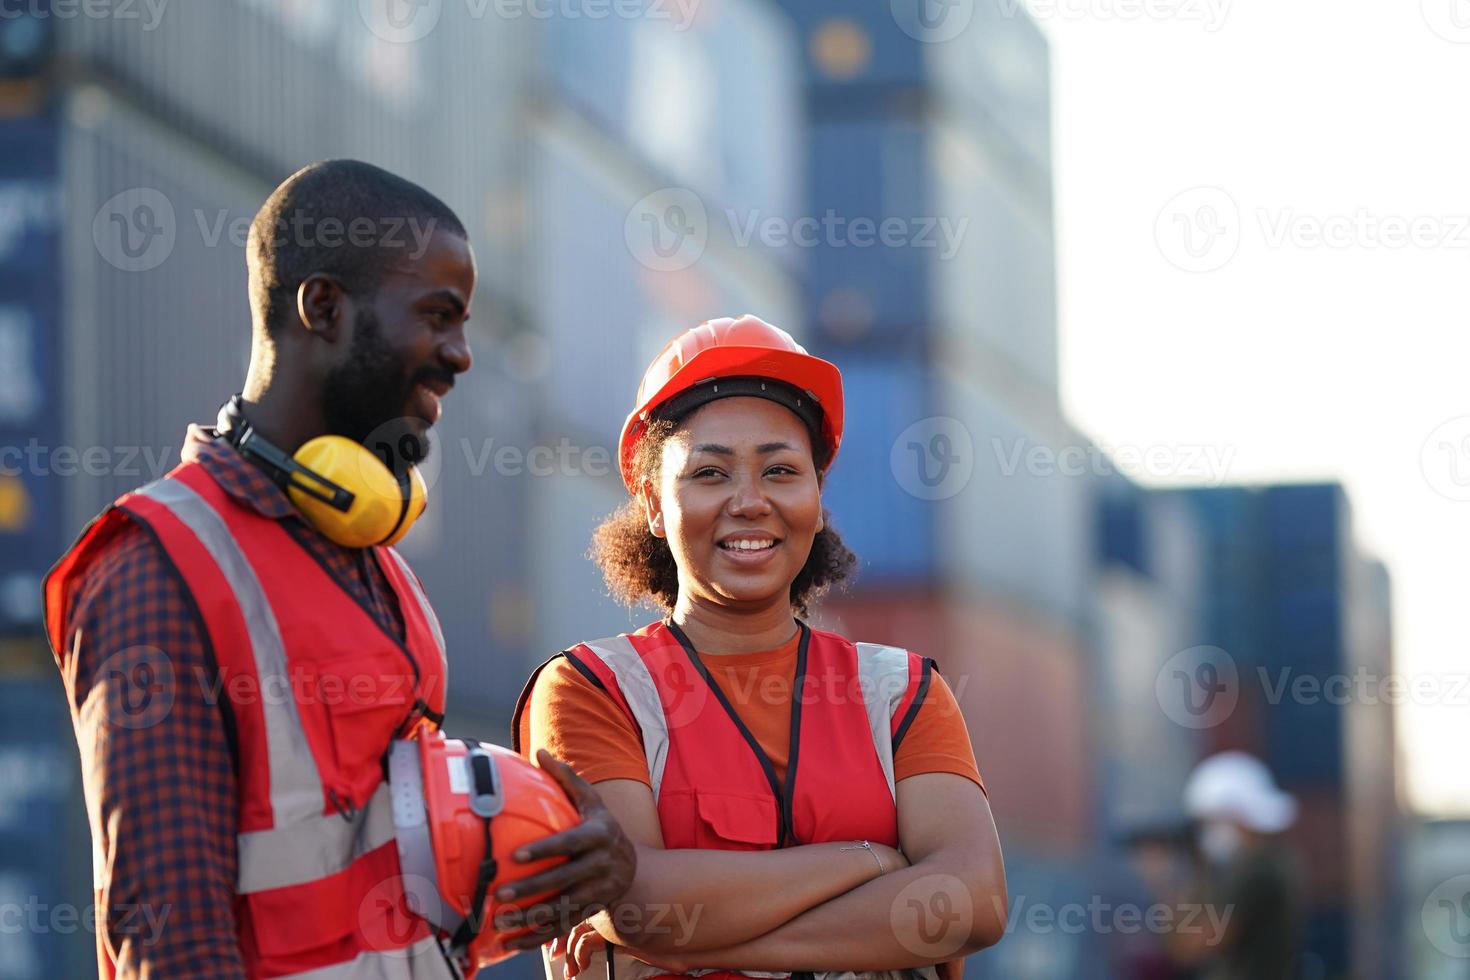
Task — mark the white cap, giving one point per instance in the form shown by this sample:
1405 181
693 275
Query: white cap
1239 787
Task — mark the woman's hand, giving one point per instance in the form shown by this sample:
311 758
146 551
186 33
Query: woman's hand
578 947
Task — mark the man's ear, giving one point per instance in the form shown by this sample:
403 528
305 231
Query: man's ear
653 509
321 306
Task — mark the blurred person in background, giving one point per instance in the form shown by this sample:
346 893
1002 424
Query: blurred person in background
801 802
240 643
1236 867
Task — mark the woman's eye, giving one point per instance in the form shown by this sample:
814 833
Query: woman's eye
782 470
704 471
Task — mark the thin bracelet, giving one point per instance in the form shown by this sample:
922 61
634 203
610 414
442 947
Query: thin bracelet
864 845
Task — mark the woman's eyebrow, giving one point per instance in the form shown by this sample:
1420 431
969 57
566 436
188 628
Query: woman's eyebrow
763 448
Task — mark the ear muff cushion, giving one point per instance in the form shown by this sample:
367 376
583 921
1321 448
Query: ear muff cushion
381 512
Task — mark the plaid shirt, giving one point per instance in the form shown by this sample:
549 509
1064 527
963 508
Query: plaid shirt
161 796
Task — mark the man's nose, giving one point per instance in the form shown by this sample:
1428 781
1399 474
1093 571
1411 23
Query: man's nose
455 353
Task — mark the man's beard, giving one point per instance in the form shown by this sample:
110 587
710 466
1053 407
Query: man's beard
366 398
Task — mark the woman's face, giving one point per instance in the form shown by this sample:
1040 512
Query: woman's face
738 501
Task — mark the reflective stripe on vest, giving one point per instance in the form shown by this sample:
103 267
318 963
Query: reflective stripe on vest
295 786
313 848
637 687
423 603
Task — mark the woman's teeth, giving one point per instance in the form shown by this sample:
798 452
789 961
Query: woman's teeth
747 545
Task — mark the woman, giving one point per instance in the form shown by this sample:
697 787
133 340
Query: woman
799 803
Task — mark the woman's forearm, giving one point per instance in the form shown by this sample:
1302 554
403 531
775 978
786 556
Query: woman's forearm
918 916
686 900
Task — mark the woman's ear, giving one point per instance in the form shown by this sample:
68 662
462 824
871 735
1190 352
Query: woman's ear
821 521
653 509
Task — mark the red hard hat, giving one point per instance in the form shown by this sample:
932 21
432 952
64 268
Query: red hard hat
728 348
450 798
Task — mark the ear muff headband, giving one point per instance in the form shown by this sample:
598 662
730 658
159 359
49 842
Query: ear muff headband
340 487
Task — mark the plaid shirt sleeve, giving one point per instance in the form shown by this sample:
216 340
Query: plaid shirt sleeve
156 766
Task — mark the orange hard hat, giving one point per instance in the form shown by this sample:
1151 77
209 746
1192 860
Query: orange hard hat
460 809
730 347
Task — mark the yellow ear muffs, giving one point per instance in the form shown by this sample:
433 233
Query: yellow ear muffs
376 507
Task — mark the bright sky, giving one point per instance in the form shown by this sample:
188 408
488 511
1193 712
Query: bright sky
1341 121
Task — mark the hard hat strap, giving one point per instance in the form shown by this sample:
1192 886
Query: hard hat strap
484 786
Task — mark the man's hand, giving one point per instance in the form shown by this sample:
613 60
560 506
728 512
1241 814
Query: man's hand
600 865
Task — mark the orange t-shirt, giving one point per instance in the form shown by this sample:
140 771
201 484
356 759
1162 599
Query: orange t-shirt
579 723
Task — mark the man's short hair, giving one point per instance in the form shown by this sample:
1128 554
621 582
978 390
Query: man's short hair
344 218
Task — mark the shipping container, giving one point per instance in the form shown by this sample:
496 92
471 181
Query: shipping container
32 524
271 85
44 876
869 492
870 213
673 87
1025 690
1015 505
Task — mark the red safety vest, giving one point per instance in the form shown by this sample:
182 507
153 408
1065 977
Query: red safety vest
714 788
315 690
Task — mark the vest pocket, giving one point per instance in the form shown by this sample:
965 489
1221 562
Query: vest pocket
720 821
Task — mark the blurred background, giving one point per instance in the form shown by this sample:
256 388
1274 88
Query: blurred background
1156 416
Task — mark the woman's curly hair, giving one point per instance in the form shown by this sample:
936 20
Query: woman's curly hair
638 565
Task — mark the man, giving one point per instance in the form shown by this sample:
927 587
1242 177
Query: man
236 672
1239 871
